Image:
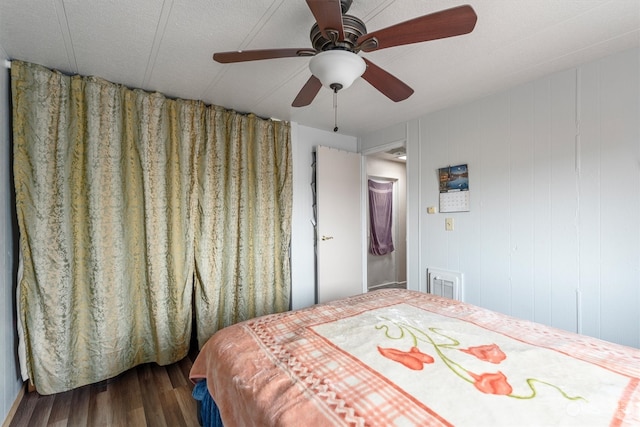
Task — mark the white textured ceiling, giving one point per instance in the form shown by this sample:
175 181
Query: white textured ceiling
167 46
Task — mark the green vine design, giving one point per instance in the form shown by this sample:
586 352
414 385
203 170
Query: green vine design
418 336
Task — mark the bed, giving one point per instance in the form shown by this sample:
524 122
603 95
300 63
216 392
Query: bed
403 358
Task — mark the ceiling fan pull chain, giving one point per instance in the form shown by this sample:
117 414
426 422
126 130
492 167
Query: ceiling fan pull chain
335 109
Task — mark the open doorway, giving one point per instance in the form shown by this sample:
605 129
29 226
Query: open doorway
389 268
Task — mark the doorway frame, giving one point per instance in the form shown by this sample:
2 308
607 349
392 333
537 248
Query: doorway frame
395 224
364 203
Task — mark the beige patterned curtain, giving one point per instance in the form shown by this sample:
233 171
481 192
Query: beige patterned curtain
244 228
109 203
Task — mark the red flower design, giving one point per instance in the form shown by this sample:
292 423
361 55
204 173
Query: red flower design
412 359
488 353
495 383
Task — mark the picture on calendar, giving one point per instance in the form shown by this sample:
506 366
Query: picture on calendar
454 178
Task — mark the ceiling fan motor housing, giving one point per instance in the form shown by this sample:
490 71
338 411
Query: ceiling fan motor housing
354 28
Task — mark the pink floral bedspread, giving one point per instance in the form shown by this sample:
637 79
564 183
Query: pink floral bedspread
403 358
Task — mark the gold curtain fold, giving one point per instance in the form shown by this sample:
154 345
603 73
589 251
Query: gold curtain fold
244 227
113 214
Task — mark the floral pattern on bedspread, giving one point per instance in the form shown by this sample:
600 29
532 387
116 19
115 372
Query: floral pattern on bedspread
486 382
536 385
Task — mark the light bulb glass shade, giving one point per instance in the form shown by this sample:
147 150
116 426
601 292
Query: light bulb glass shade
337 67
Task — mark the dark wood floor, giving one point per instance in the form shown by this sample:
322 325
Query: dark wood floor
148 395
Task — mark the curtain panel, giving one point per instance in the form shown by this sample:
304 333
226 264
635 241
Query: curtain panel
122 196
244 221
380 217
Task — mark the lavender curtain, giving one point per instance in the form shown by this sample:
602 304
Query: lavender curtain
380 211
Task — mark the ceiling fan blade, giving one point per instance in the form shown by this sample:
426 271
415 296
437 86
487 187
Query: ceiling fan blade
308 92
256 55
447 23
392 87
328 15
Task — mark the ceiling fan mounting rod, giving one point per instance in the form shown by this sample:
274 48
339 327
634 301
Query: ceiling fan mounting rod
345 5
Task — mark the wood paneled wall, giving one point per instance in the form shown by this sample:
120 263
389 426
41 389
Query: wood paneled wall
553 234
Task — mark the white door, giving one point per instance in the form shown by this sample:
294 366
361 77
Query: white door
339 224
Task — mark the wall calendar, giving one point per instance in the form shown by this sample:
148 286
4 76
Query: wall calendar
454 188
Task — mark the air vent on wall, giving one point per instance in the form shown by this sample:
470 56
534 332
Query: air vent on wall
445 283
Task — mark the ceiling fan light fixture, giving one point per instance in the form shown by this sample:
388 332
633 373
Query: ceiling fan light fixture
337 68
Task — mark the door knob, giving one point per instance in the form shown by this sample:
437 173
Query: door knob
327 237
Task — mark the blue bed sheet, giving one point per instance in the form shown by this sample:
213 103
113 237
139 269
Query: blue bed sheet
208 413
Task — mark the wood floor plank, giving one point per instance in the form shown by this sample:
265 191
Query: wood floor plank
61 408
100 408
171 409
185 365
150 397
118 402
125 398
147 395
79 416
176 376
25 410
136 417
188 405
161 377
42 411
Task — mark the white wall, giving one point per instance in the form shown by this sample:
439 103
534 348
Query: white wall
304 140
553 234
10 381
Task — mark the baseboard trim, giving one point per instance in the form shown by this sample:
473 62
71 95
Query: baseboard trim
14 407
388 285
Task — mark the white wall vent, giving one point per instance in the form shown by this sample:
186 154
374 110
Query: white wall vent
445 283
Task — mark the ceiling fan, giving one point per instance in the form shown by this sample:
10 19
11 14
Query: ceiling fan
337 39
